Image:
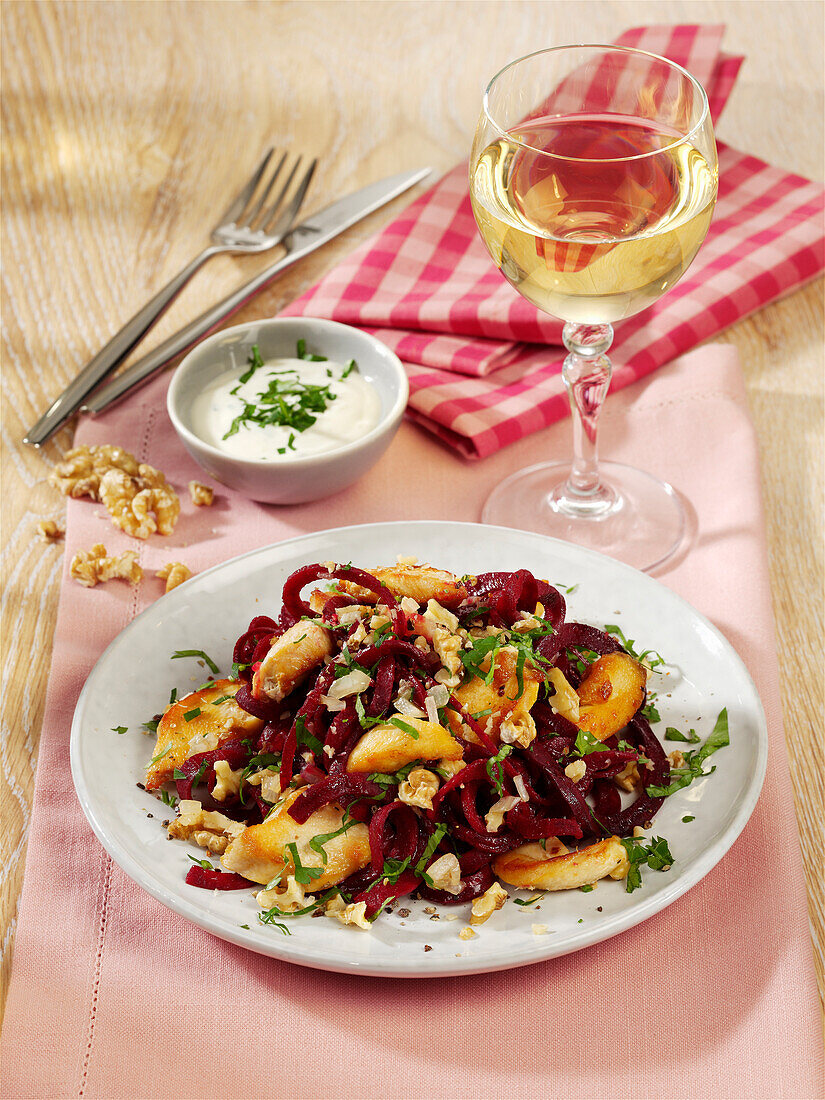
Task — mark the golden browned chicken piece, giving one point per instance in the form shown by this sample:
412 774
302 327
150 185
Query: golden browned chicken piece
610 694
504 713
292 657
261 851
386 748
209 724
533 868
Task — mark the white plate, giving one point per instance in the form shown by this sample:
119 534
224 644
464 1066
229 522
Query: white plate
133 678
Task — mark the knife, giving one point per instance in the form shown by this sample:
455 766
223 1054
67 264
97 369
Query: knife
315 231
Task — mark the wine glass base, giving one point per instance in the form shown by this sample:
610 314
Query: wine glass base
643 525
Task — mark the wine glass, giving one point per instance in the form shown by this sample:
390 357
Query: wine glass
593 179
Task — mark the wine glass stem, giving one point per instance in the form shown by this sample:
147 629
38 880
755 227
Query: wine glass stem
586 375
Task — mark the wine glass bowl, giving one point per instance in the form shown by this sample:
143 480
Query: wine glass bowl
593 180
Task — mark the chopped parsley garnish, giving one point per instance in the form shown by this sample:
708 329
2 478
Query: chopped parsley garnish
197 653
682 777
119 729
432 844
317 842
302 353
672 734
648 657
303 875
400 724
495 770
207 866
532 900
269 918
237 668
385 779
286 401
192 714
586 743
255 362
393 869
687 818
586 888
656 856
304 737
363 718
650 713
151 726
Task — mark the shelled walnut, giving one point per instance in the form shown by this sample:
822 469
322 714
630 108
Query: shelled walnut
136 495
174 573
91 567
202 495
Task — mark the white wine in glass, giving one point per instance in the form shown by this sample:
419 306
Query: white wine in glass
593 181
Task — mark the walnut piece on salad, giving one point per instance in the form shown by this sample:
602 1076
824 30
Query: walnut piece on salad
359 776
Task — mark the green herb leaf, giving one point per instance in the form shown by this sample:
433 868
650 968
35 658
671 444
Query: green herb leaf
532 900
672 734
161 755
586 743
400 724
196 653
687 818
656 856
682 777
365 721
207 866
350 367
304 737
648 656
302 353
317 842
269 918
303 875
651 713
151 726
431 846
120 729
495 769
385 779
192 714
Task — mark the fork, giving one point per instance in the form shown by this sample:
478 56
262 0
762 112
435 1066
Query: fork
252 223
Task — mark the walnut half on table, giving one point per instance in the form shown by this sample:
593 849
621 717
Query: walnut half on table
91 567
136 495
174 573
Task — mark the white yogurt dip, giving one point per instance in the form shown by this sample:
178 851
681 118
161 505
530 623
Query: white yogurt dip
286 408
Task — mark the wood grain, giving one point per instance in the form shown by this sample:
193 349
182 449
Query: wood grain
126 125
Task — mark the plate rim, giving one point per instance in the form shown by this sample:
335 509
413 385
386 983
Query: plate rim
544 950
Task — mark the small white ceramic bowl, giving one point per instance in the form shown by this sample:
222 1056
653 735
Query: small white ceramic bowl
290 480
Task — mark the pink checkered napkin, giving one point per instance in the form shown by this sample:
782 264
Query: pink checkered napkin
480 373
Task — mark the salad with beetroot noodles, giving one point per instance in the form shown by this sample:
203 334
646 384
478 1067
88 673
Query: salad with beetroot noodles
407 732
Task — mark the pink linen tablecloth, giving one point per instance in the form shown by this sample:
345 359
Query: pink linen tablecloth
112 995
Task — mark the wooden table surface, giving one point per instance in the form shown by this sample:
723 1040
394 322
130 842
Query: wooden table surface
126 125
